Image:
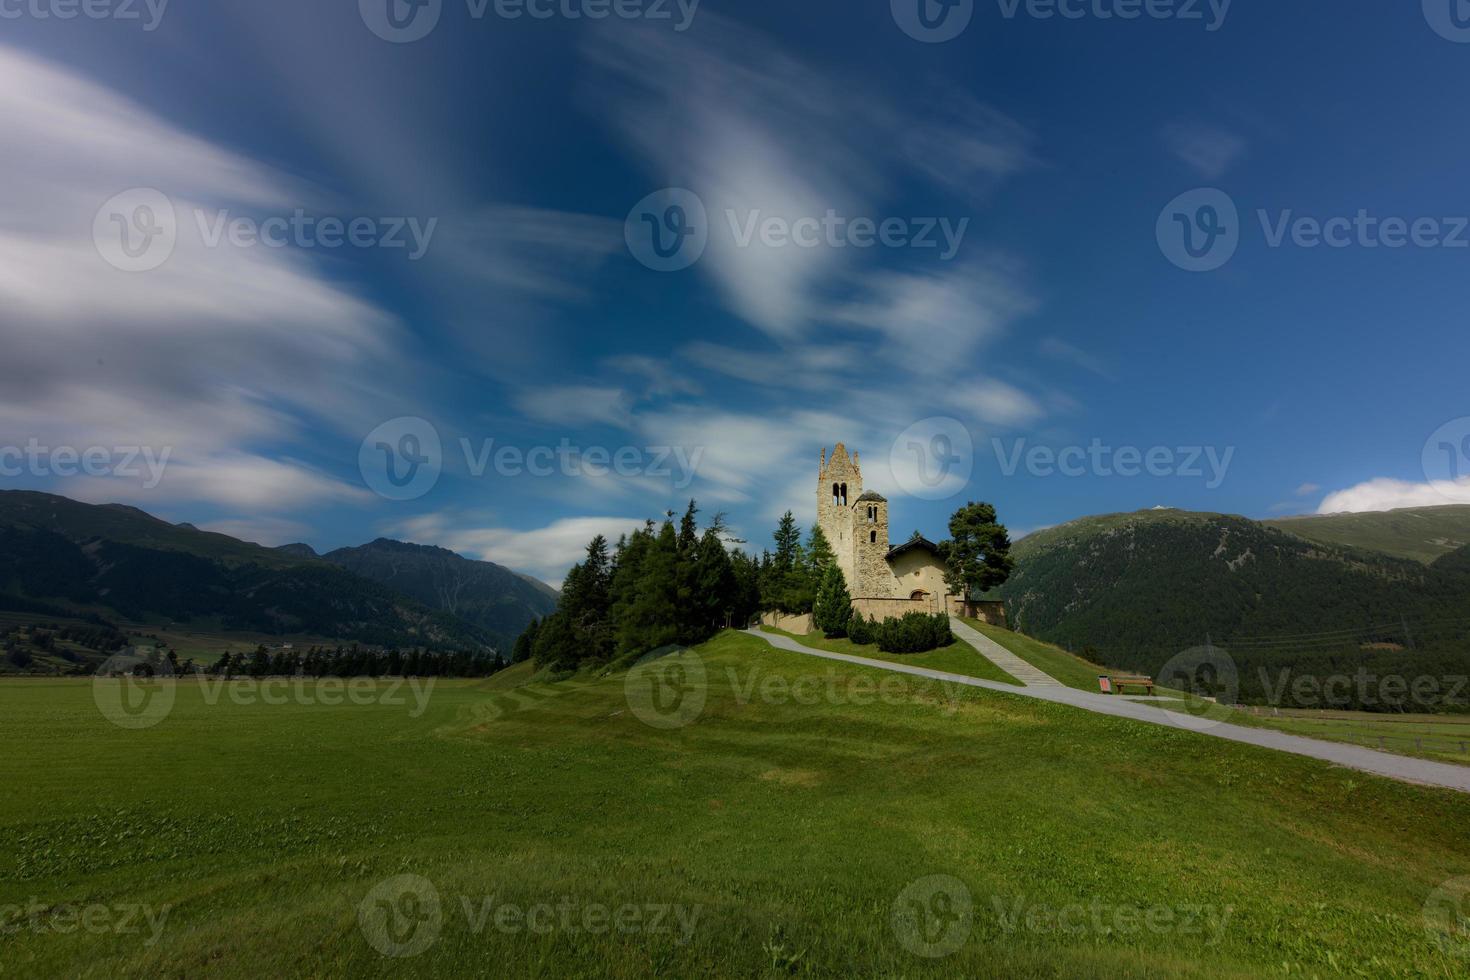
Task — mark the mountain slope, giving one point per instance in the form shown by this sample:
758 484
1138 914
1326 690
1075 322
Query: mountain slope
121 561
1134 589
495 599
1420 534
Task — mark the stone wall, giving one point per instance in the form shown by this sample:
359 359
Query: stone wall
801 624
993 613
881 609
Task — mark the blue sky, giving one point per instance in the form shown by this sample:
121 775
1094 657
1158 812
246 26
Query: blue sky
1057 152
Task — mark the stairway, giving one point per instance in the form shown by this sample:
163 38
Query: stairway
1028 675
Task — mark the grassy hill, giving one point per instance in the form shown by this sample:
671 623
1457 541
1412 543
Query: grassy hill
1420 534
789 835
58 556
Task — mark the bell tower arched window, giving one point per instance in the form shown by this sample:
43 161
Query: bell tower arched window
844 494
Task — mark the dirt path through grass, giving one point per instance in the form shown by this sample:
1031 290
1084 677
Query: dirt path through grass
1339 753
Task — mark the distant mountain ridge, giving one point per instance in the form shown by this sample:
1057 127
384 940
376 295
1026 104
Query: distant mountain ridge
60 554
1138 588
486 595
1421 534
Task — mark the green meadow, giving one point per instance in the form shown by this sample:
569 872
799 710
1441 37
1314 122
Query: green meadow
811 819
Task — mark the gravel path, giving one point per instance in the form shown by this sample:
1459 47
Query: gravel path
1399 767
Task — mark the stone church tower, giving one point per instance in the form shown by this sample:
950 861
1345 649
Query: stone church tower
884 581
855 523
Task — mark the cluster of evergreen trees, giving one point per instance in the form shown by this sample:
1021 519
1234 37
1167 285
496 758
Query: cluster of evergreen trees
351 661
659 586
357 661
666 585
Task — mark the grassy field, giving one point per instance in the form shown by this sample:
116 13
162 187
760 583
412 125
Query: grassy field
1071 670
957 658
795 826
1444 738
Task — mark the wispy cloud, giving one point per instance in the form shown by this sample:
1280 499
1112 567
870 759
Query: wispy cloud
213 355
1208 150
546 552
1061 350
1390 494
932 321
575 405
754 130
996 403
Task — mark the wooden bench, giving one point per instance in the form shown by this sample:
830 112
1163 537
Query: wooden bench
1114 683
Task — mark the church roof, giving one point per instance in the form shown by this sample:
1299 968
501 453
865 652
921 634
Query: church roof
910 545
873 495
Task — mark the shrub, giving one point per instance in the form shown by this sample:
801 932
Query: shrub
860 629
914 633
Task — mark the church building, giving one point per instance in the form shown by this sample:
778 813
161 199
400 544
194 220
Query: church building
884 581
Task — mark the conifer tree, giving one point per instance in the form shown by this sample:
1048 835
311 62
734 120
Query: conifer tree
833 607
819 553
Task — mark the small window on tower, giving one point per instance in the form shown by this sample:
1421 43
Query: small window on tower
873 537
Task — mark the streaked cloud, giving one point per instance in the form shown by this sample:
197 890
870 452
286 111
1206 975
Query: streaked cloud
1209 150
1390 494
545 552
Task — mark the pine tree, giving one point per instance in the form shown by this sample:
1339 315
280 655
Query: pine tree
524 646
688 531
833 607
715 587
788 545
978 555
819 553
651 620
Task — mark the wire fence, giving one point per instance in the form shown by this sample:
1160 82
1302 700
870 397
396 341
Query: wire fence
1325 726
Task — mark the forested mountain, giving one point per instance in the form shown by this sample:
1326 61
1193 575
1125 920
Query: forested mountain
1133 590
495 599
58 554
